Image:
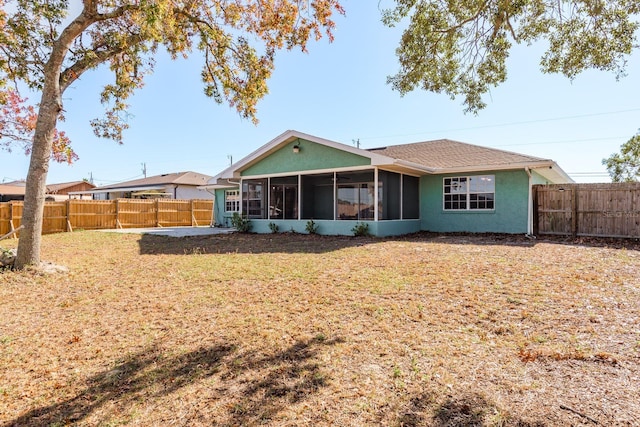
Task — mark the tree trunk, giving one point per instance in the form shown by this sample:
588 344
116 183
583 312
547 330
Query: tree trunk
48 113
35 191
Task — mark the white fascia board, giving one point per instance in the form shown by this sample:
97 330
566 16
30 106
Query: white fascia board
411 165
120 189
483 168
217 186
546 168
310 172
554 173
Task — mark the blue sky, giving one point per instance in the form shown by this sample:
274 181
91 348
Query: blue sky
338 91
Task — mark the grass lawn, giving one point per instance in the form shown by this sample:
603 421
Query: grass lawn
293 330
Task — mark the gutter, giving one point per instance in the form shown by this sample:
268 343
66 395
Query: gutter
530 205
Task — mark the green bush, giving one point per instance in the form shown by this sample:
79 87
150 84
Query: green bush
360 229
241 223
311 227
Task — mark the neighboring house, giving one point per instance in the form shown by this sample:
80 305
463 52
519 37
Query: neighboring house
179 185
14 190
61 191
441 186
10 191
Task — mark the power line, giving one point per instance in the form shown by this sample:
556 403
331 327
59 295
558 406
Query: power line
564 141
525 122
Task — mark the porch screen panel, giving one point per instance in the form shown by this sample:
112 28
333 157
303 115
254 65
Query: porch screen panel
283 198
317 196
254 198
390 200
410 197
356 196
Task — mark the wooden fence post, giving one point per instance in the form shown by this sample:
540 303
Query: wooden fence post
193 215
157 203
118 224
13 228
574 211
68 207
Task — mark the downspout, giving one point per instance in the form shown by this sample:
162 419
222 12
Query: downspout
529 233
213 207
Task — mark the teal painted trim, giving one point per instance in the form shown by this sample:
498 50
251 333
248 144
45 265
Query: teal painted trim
338 228
509 215
312 156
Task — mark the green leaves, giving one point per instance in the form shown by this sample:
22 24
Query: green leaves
238 41
625 166
460 47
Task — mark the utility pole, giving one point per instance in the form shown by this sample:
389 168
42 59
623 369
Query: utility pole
356 142
230 157
144 169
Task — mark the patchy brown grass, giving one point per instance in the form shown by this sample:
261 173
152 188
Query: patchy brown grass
304 330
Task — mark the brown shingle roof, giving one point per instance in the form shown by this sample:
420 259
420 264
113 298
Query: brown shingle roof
445 154
13 190
183 178
63 185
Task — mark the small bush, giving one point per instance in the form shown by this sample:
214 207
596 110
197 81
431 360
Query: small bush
311 227
273 227
360 229
241 223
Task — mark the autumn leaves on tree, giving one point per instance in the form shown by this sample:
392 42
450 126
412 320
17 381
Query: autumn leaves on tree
45 49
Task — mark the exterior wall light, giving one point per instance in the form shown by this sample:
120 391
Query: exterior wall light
296 148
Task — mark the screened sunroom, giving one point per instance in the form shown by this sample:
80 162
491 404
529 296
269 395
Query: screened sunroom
362 195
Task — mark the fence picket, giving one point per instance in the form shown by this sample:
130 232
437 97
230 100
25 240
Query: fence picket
110 214
598 210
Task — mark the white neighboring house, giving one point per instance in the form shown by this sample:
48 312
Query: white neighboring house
178 185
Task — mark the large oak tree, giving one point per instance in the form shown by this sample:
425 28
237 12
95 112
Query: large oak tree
625 165
46 48
460 47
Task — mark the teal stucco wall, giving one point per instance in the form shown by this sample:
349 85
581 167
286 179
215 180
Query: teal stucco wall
509 215
311 156
339 227
220 216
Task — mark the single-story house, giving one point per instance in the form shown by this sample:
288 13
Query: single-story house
14 190
61 191
179 185
9 192
440 186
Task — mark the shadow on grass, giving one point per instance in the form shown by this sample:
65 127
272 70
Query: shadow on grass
315 244
469 410
248 244
283 377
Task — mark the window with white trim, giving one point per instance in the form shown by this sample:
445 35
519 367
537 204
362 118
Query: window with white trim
232 200
465 193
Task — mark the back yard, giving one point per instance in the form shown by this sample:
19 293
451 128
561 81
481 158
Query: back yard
304 330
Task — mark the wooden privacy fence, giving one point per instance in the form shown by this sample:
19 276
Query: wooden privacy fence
109 214
600 210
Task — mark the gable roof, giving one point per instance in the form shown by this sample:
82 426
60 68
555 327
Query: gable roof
12 190
427 157
177 178
448 154
54 188
284 139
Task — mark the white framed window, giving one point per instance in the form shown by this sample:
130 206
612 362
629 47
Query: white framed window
469 193
232 200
